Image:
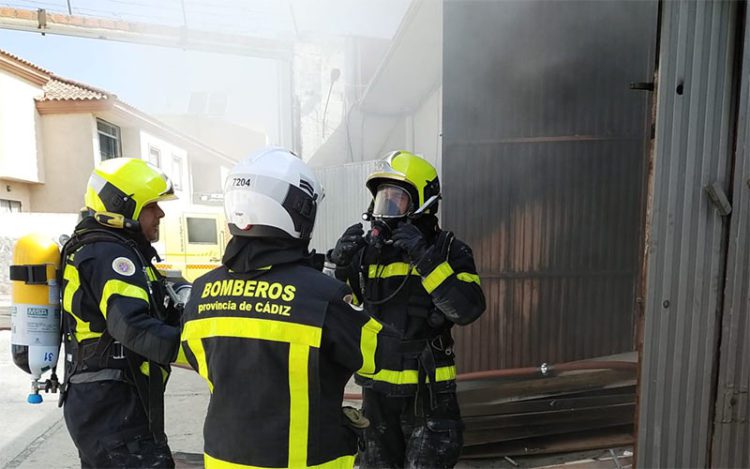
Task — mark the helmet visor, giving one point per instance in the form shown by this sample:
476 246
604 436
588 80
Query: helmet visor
391 201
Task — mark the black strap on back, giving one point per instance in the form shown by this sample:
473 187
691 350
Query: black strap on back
156 402
30 274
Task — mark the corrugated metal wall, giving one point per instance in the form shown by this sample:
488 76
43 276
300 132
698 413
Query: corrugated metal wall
730 446
345 201
543 169
686 252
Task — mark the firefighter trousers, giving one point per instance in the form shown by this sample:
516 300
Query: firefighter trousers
109 426
399 437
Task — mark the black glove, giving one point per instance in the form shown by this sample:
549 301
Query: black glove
437 254
410 238
347 245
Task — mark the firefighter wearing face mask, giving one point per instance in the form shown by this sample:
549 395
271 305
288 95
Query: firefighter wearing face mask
119 336
410 274
275 339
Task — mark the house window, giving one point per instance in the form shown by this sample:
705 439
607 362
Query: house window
110 145
10 206
176 172
201 230
154 156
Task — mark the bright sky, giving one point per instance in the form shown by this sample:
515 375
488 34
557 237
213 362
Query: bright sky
156 80
161 80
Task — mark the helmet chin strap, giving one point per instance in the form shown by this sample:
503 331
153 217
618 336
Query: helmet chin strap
116 220
425 206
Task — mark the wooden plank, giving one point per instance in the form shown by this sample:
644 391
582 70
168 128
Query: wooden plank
574 401
600 438
603 463
498 392
495 422
480 437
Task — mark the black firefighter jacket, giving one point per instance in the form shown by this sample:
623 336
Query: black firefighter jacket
422 302
277 342
111 291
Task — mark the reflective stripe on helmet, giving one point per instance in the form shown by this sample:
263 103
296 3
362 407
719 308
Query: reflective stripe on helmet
125 186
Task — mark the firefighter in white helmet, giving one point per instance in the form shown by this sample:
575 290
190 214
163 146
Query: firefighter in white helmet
275 339
119 336
412 275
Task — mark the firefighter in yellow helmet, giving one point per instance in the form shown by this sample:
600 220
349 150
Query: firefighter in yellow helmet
119 336
410 274
275 339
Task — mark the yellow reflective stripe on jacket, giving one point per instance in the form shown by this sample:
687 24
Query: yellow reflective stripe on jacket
196 346
265 267
368 343
299 405
443 373
300 338
181 357
145 371
74 283
464 277
151 274
390 270
343 462
252 328
437 276
355 300
118 287
83 328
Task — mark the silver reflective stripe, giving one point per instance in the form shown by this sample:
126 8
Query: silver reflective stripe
107 374
97 182
276 189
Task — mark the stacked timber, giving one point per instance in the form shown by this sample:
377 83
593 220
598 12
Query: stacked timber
571 407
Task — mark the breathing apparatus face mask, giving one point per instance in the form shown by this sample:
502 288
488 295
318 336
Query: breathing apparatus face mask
381 231
391 201
391 205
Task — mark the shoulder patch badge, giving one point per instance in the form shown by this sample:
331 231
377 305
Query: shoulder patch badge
123 266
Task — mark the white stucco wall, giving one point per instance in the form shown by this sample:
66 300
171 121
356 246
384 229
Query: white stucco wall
418 132
18 139
130 141
370 136
208 177
169 153
397 138
16 191
426 129
70 152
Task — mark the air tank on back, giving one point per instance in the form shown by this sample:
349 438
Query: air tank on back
35 310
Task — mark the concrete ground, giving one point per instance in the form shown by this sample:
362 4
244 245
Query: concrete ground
34 436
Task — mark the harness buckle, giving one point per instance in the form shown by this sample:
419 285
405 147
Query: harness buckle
118 351
437 343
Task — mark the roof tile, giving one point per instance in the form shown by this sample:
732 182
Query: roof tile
58 89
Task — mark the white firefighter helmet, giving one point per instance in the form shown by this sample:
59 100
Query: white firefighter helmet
272 193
